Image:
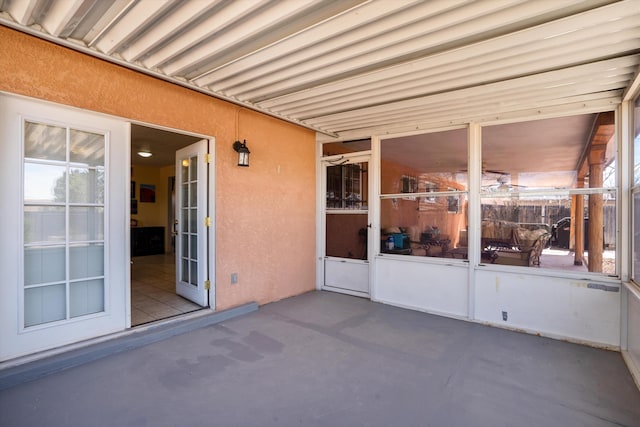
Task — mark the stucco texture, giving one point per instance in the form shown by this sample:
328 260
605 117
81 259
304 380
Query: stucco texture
265 214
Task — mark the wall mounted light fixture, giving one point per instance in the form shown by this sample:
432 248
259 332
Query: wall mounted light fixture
243 152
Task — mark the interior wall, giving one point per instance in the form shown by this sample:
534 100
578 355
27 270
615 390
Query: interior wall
151 214
165 173
265 214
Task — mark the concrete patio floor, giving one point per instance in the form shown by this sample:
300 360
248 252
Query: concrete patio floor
324 359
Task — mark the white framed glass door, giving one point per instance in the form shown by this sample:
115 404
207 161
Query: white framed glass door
63 203
347 225
192 222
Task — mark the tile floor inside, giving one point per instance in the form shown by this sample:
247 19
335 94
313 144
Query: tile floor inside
153 290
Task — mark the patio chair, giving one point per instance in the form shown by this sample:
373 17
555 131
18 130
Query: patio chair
527 256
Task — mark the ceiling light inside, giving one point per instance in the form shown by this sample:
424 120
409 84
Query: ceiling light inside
144 154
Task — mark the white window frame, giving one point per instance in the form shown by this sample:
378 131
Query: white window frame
461 194
634 276
601 277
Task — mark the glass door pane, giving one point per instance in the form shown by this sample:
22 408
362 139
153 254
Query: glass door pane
346 266
347 216
63 217
346 236
191 244
189 215
347 187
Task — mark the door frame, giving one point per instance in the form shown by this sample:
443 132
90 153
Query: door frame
323 163
211 200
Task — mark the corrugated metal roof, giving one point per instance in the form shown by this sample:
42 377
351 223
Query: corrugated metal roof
353 67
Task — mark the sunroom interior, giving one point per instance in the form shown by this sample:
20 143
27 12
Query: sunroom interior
531 173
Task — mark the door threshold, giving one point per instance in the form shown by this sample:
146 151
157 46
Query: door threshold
179 316
346 291
28 368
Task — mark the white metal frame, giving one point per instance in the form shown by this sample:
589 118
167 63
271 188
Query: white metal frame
475 162
619 203
627 216
631 188
474 194
323 163
378 196
630 329
474 266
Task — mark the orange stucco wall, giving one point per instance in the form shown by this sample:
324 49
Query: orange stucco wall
265 214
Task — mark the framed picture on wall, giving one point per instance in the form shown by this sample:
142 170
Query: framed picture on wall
133 189
147 193
134 207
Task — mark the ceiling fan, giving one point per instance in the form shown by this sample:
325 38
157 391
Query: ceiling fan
486 171
503 183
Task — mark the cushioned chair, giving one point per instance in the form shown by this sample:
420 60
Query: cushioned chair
527 255
414 237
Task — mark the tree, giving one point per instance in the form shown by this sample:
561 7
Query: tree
85 185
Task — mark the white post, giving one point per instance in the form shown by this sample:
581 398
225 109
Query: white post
475 179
